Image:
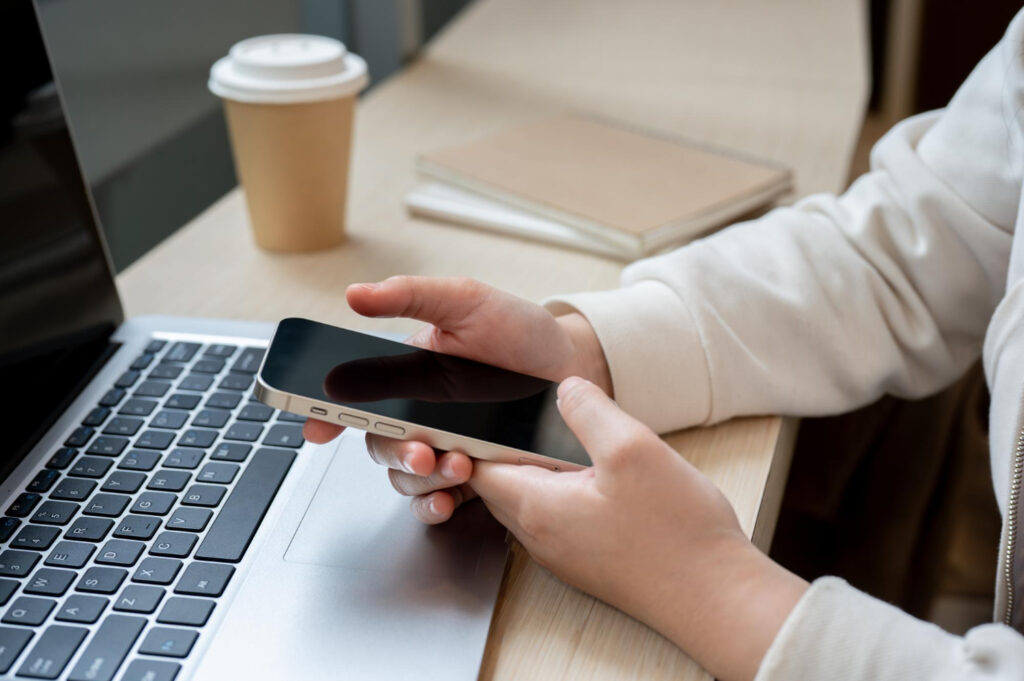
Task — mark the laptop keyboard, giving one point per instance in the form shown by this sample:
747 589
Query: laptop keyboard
118 549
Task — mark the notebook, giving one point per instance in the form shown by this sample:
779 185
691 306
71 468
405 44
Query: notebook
633 191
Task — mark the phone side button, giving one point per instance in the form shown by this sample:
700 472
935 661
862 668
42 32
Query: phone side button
353 420
534 462
389 429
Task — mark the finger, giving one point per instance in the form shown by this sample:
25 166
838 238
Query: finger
319 432
444 301
410 456
603 429
453 468
439 506
502 485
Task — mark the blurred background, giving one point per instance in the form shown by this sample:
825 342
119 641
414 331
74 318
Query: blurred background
153 141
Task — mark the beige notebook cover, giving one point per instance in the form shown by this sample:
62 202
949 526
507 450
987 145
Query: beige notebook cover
636 191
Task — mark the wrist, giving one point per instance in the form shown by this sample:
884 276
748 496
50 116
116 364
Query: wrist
588 360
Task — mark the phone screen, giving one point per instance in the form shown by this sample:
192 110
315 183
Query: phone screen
427 388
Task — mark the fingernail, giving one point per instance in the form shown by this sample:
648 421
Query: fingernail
368 287
408 467
433 507
568 384
447 470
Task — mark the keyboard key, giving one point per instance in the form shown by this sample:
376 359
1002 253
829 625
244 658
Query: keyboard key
17 563
107 445
125 482
247 432
189 519
109 505
142 361
235 525
154 439
73 489
221 473
62 458
255 412
108 648
102 580
249 361
157 570
50 582
197 438
154 503
91 467
89 529
71 554
223 400
35 538
155 346
139 460
282 435
219 350
120 552
55 512
197 382
182 351
29 611
23 504
166 371
12 642
173 544
168 642
203 495
79 436
123 425
169 418
143 599
290 417
96 416
235 382
151 670
208 366
182 401
127 379
7 527
151 388
184 457
43 481
84 609
52 652
7 589
138 407
169 481
137 527
231 451
112 397
204 579
211 418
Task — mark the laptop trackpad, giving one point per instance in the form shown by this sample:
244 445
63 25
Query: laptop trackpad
357 521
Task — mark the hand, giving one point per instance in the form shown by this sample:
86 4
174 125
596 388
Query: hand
643 530
468 319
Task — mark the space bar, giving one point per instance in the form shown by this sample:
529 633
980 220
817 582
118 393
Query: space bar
242 513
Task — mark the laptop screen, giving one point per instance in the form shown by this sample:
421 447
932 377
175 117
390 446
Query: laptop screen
58 303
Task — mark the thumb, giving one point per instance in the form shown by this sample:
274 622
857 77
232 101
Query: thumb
442 301
604 430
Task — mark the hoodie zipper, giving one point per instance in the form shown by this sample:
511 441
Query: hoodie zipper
1012 510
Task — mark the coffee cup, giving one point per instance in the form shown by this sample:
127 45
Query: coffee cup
290 103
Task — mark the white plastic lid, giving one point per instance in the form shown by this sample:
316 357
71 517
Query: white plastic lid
287 68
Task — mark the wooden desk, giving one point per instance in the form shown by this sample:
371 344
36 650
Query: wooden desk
783 79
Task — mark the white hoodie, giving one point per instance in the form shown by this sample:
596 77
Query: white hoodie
894 287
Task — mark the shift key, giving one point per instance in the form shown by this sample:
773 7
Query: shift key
235 525
108 648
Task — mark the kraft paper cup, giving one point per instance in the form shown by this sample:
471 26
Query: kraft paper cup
290 104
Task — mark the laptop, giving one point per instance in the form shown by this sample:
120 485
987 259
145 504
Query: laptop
157 522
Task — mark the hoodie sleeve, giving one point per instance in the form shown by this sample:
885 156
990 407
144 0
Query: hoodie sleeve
826 305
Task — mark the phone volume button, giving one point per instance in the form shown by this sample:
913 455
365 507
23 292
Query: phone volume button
353 420
389 429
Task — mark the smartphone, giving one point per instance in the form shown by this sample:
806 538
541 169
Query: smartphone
400 391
